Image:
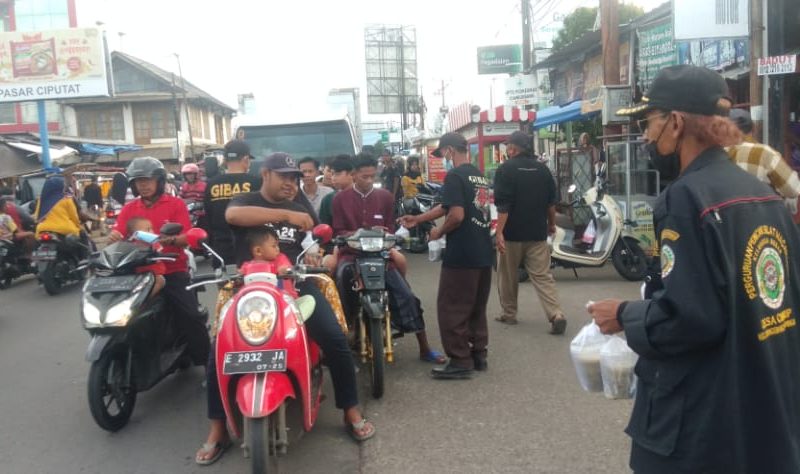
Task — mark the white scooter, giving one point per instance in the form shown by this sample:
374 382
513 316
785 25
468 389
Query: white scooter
611 239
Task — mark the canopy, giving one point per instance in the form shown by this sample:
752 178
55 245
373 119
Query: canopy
94 149
559 114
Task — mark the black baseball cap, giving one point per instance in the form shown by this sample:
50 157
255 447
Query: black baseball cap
520 139
691 89
236 150
450 139
280 163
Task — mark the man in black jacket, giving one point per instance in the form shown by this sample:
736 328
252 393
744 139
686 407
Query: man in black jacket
718 375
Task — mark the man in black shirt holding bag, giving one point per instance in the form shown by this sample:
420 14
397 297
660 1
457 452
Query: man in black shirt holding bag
466 277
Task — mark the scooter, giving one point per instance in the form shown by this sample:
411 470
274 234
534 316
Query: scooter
424 201
59 260
611 239
134 342
371 305
264 356
13 263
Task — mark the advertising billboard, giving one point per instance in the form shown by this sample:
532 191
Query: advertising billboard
502 59
711 20
55 64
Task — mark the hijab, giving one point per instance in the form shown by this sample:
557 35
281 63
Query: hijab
52 193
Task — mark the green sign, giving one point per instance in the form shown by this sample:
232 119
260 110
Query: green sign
385 137
657 50
502 59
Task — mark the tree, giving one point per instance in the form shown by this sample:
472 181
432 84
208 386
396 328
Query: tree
582 20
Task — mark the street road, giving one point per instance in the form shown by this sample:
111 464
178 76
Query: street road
526 414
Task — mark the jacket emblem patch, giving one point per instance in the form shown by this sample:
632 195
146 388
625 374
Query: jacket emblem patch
669 234
667 260
763 270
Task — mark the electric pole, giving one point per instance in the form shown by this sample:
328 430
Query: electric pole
526 36
186 104
609 31
756 84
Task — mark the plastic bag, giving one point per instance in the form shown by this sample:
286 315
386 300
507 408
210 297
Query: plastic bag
435 248
402 233
585 352
617 361
589 234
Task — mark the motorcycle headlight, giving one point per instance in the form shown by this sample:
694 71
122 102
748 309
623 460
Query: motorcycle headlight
91 315
371 244
120 313
256 314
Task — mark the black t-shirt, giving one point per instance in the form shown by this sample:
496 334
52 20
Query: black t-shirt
524 188
388 177
219 192
291 237
470 245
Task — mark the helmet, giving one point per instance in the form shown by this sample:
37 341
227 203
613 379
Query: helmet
190 168
146 167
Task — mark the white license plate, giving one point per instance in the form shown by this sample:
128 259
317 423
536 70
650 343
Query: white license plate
46 254
254 362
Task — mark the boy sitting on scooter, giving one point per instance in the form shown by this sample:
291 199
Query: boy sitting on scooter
264 247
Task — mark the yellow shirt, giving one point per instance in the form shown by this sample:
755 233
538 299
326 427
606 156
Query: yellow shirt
410 186
62 219
7 227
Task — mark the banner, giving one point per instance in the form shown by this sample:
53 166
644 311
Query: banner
502 59
656 51
54 64
777 65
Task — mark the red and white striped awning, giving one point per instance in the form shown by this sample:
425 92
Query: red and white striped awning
504 113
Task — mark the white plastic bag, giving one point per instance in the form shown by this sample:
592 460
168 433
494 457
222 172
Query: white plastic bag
402 233
617 361
589 234
585 352
435 248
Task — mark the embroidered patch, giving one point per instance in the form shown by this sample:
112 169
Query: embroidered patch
669 234
771 278
667 260
763 270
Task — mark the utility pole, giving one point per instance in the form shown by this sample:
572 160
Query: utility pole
757 108
526 36
186 104
403 119
609 31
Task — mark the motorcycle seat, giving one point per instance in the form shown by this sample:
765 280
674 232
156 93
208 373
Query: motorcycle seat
564 221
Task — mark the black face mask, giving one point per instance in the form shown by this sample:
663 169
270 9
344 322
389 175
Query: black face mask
669 165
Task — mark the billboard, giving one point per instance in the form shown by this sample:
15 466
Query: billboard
711 20
502 59
391 63
55 64
656 51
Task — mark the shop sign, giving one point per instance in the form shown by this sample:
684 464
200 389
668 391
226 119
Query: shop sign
786 64
436 169
499 129
501 59
54 64
521 90
656 51
711 20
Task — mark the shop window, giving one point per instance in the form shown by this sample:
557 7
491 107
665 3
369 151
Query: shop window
105 122
153 121
35 15
8 113
30 111
198 126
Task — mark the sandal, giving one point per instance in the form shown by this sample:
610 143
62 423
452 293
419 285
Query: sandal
210 448
361 431
433 357
558 325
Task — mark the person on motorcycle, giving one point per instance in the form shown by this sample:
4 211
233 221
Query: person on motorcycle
56 209
22 221
364 206
412 178
147 179
272 204
193 188
8 228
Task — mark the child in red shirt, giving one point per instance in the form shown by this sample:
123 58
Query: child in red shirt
266 252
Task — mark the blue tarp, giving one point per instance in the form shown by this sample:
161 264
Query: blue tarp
92 149
559 114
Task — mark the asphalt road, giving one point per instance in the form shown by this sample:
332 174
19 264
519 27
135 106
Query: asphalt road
526 414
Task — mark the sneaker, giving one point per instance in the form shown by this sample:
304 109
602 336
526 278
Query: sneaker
451 372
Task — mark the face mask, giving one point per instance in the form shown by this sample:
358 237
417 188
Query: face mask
669 165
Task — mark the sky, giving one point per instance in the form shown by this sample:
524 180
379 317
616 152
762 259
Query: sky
291 53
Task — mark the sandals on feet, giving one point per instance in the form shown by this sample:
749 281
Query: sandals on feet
558 325
217 448
361 431
433 357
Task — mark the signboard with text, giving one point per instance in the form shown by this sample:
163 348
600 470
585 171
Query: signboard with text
55 64
777 65
521 90
656 51
502 59
706 19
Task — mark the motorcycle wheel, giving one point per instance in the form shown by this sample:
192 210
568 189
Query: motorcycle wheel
50 279
630 264
378 359
110 402
263 458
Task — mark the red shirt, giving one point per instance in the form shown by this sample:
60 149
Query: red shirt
165 209
193 191
353 210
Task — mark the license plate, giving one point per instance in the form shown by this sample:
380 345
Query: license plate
112 284
254 362
44 254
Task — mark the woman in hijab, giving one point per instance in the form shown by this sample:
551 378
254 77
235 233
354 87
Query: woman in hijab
56 210
412 178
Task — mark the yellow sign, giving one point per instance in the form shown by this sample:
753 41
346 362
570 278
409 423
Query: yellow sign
55 64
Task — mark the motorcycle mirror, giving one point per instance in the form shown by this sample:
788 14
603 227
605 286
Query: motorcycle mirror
601 171
196 236
171 228
572 188
322 233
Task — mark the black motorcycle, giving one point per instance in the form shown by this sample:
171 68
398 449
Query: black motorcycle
366 299
60 260
13 263
134 343
427 198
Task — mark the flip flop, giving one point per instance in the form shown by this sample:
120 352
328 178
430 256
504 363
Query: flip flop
354 428
207 448
434 357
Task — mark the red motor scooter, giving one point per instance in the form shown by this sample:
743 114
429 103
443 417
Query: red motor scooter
264 356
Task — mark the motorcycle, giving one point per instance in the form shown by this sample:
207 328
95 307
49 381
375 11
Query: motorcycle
370 310
423 202
111 212
134 342
13 263
197 217
60 260
611 240
264 356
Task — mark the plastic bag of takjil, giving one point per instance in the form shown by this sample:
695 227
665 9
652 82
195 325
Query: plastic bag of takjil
617 361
